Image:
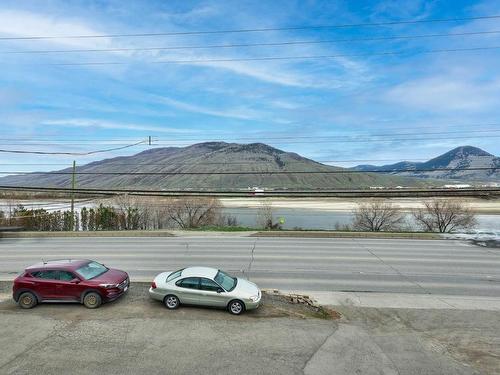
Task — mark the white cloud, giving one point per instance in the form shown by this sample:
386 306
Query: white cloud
16 23
92 123
238 113
445 93
342 71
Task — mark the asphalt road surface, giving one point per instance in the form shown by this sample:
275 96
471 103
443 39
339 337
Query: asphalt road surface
446 267
137 335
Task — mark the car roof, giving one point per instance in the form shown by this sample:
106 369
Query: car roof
60 264
199 272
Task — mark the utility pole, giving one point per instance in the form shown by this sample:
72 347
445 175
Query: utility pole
73 181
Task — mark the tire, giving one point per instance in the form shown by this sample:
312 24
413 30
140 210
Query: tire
171 302
92 300
27 300
236 307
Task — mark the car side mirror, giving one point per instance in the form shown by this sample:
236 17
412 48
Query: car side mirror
220 290
75 281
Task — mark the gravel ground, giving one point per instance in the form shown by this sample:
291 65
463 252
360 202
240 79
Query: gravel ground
138 335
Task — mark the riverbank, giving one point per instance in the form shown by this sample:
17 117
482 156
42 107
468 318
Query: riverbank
478 205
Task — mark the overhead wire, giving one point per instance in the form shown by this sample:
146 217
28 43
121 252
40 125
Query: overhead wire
239 45
304 193
260 136
252 30
188 143
71 153
173 173
271 58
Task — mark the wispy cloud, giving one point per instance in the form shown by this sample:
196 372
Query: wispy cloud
299 97
445 93
237 113
93 123
18 23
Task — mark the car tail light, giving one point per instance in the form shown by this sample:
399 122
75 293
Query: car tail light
153 285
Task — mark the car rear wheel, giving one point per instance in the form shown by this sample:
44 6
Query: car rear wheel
236 307
171 302
92 300
27 300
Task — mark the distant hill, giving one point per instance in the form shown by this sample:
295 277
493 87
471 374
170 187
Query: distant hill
457 159
213 157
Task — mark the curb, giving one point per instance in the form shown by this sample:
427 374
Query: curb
124 233
382 235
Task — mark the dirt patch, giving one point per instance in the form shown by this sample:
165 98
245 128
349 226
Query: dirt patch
137 304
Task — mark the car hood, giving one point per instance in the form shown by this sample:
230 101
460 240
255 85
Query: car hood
246 288
111 276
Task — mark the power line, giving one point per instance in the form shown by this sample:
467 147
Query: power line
232 31
238 45
71 153
276 58
281 193
185 143
219 163
343 171
259 137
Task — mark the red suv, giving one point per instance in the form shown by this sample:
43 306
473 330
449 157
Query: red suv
84 281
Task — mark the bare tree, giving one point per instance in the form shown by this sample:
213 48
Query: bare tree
194 212
377 216
132 212
265 217
444 216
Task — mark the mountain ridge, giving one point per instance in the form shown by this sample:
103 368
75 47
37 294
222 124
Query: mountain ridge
456 160
215 157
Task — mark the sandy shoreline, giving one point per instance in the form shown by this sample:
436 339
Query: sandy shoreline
479 206
482 206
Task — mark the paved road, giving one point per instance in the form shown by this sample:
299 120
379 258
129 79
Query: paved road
374 265
137 335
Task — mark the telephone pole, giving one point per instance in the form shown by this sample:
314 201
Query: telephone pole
73 181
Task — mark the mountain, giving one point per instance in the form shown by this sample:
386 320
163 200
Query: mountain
457 159
211 157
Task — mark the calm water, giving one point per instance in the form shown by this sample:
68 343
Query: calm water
316 219
294 217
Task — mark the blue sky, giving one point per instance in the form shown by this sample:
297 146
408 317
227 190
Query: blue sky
325 109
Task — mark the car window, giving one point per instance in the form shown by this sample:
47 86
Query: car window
66 276
91 270
174 275
189 282
46 275
207 284
227 282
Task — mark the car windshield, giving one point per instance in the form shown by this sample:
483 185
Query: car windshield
226 281
91 270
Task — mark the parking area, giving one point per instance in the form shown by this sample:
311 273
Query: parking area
137 335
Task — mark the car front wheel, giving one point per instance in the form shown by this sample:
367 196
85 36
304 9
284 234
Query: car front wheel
236 307
171 302
27 300
92 300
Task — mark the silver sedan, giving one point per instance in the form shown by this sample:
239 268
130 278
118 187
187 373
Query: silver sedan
207 287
